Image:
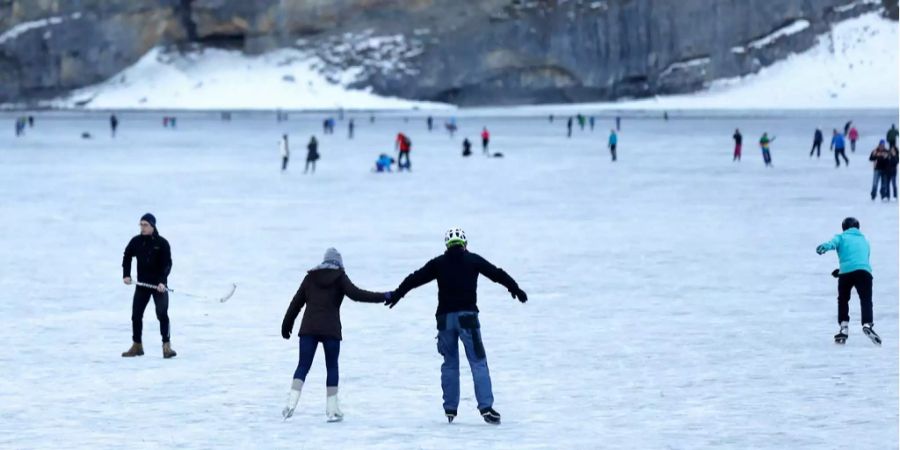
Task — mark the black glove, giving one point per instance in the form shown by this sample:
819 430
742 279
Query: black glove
836 272
519 295
391 299
286 334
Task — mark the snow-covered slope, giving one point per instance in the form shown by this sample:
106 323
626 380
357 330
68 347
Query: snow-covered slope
221 79
852 66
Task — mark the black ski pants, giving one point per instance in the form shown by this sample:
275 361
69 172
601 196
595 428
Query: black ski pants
139 304
862 281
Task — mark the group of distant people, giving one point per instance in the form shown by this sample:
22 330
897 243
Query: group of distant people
765 143
23 122
312 153
884 157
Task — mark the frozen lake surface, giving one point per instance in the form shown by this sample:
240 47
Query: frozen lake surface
676 300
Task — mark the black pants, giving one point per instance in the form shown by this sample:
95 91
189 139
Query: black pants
284 162
484 145
310 162
862 281
139 304
816 148
839 152
612 150
400 158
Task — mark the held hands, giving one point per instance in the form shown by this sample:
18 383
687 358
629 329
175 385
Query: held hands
391 299
127 280
821 249
519 295
161 287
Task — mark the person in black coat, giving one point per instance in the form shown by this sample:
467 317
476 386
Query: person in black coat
321 292
312 154
456 272
154 263
817 144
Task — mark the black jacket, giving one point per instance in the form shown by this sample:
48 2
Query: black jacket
323 291
456 272
882 160
154 258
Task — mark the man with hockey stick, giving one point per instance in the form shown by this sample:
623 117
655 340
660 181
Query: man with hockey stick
456 272
154 259
855 272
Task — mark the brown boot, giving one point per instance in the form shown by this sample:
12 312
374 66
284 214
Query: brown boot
167 351
136 350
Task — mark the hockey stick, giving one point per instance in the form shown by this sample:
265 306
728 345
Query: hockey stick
222 299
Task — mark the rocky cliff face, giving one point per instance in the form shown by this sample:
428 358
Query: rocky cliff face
464 52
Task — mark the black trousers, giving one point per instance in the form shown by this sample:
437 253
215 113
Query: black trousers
816 148
612 150
139 304
839 153
401 157
484 145
862 281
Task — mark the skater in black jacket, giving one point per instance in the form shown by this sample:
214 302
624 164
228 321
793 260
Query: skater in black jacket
456 272
154 259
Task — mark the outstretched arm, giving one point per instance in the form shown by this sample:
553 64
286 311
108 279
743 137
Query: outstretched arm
830 245
425 275
293 310
498 275
359 295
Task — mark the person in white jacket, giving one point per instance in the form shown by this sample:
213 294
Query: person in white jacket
285 152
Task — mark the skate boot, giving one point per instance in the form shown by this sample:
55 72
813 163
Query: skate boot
136 350
841 337
167 351
871 334
490 416
293 398
451 414
332 408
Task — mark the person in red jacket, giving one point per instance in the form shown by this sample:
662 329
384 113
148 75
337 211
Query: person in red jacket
485 140
404 145
854 136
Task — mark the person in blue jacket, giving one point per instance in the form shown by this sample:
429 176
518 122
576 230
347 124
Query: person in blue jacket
838 145
613 141
854 272
383 163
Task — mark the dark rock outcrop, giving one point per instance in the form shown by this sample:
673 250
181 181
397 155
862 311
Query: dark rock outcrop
486 52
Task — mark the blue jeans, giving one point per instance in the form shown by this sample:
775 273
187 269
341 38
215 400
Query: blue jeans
463 326
308 345
880 176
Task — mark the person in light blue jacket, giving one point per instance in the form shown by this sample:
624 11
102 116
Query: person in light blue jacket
855 272
613 141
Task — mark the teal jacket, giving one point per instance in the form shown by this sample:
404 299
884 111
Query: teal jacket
853 250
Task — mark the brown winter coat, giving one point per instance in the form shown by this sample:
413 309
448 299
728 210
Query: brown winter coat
322 291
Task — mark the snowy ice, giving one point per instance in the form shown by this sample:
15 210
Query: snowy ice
676 300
